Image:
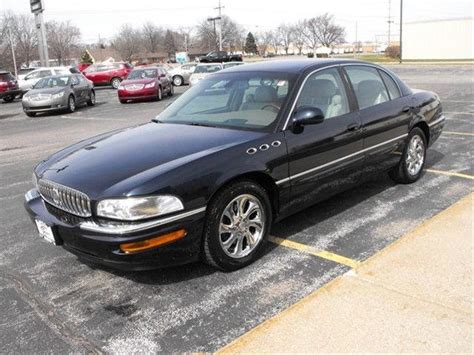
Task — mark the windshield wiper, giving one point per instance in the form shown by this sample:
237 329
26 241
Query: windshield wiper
200 124
156 120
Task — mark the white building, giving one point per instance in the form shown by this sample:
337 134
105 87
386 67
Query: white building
439 39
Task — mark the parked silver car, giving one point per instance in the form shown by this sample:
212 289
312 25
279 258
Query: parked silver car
60 92
182 74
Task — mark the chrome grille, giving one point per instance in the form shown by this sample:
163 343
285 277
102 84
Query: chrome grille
65 198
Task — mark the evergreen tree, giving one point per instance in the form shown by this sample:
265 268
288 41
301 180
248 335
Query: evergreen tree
86 57
250 45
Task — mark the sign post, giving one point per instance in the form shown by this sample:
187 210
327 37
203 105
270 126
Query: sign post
37 8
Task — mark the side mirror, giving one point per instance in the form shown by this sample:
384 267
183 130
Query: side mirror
306 115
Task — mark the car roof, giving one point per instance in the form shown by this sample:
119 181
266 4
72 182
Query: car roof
291 66
208 64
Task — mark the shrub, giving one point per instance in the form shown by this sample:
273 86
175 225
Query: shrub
392 51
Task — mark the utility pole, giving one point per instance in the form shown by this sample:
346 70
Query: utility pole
37 8
389 21
219 8
401 29
213 20
357 41
13 50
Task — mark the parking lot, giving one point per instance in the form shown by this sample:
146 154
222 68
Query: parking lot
53 302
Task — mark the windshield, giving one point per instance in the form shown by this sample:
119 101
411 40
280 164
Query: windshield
142 74
53 82
247 100
207 68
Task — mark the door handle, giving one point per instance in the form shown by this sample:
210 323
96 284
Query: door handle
353 127
407 109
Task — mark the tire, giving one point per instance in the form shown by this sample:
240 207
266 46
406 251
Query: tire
232 257
31 114
71 104
9 98
123 101
115 82
91 101
159 94
171 92
178 80
413 159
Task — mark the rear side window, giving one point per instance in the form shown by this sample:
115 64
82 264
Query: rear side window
391 85
368 86
325 90
6 77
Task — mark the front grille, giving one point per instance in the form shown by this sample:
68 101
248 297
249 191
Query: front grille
65 198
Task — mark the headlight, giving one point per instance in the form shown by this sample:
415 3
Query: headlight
58 95
151 85
135 208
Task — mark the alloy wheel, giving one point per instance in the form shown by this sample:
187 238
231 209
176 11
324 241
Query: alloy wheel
241 226
72 104
415 155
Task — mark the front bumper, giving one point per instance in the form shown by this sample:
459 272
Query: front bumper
45 105
13 92
142 94
99 242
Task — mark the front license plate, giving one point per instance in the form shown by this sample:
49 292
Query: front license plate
45 231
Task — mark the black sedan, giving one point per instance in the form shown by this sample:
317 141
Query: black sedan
243 148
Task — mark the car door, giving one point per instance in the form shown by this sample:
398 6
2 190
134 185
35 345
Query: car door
384 115
78 89
324 158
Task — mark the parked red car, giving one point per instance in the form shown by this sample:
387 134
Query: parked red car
83 66
146 83
8 86
108 73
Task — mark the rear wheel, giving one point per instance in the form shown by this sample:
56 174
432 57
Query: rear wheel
91 101
410 167
178 80
9 98
115 82
31 114
171 92
71 104
238 219
123 101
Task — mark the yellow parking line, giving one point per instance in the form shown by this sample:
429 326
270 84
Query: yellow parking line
450 173
310 250
459 133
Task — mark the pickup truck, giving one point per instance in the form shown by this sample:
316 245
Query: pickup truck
220 57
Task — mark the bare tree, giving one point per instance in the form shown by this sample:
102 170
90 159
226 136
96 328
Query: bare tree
285 33
298 36
152 37
323 30
127 42
26 38
62 37
232 34
170 43
276 40
264 40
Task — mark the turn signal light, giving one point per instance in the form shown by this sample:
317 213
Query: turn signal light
152 243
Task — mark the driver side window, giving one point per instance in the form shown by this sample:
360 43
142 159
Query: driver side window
325 90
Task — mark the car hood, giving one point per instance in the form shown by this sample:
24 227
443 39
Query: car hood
137 81
50 91
114 164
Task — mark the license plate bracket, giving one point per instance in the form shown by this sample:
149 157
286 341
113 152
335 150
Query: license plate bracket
45 232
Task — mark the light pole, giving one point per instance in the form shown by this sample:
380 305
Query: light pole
13 50
401 29
220 24
37 8
213 20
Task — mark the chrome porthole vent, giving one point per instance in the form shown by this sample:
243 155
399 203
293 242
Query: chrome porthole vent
264 147
276 144
251 151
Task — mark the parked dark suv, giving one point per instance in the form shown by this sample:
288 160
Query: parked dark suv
108 73
8 86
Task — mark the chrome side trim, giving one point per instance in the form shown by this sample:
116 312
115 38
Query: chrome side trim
131 228
279 182
438 120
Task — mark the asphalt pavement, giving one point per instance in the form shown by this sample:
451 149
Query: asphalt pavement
50 301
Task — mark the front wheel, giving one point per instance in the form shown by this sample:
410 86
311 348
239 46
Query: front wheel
31 114
71 104
159 94
238 219
410 167
171 92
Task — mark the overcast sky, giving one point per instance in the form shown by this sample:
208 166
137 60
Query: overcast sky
104 17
